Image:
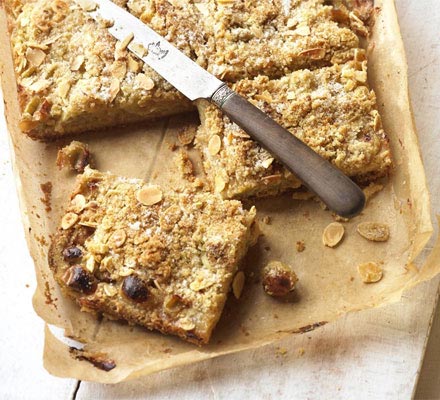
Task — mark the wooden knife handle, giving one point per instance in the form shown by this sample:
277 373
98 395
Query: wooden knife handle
335 189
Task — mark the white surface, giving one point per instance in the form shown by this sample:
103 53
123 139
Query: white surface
373 354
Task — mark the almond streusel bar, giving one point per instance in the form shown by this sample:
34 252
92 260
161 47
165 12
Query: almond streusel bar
73 76
331 109
161 259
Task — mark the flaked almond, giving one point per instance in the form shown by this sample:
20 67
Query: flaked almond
69 220
87 5
119 69
114 89
200 284
35 56
118 237
267 162
90 224
138 49
77 63
333 234
110 290
125 271
314 54
302 30
214 145
361 76
144 82
271 179
186 324
219 184
377 124
203 9
133 65
149 195
291 96
40 85
374 231
78 203
238 284
27 125
370 272
126 41
63 88
91 264
291 23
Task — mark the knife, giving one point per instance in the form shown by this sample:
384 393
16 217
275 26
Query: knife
335 189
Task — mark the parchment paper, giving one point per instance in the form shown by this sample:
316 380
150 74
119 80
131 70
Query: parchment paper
328 282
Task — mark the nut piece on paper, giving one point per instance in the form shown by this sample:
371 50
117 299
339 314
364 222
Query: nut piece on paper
374 231
333 234
370 272
75 156
278 279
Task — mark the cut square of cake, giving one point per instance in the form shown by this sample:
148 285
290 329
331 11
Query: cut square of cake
330 109
161 259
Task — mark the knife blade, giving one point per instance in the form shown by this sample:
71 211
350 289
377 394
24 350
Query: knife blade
335 189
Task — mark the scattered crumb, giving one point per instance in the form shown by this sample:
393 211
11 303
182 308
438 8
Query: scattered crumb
281 351
75 156
185 166
186 134
173 146
338 218
371 190
266 220
46 188
301 351
278 279
300 246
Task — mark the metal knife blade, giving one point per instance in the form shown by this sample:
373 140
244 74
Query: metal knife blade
334 188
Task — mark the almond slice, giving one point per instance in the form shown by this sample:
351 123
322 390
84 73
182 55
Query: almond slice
370 272
149 195
138 49
118 238
238 284
77 63
144 82
78 203
214 145
69 220
374 231
219 184
333 234
126 41
35 56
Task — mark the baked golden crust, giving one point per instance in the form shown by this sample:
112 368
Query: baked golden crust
330 109
164 260
73 76
253 37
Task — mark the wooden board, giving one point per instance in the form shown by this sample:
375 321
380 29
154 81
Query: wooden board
373 354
